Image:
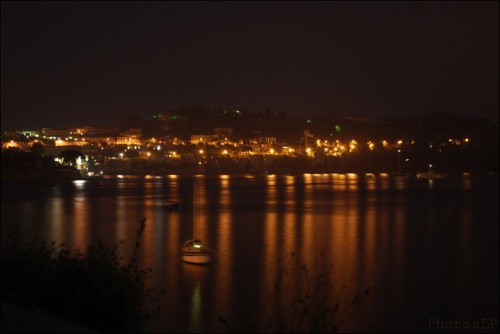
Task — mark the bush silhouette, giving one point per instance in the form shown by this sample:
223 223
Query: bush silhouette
92 289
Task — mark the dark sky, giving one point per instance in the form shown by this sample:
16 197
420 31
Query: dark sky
91 63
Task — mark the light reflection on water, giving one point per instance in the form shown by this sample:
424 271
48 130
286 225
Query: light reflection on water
417 246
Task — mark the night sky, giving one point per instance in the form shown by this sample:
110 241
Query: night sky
93 63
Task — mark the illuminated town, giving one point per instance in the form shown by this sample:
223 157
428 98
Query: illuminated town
194 140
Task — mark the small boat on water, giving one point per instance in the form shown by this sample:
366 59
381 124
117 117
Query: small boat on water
171 205
195 251
430 174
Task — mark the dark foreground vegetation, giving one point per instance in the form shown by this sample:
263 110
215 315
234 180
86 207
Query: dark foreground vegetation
91 289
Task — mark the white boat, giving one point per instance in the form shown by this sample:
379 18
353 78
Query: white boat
194 250
430 174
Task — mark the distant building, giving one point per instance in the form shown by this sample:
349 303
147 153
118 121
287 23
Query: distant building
267 140
90 131
128 140
16 134
130 137
101 140
195 139
58 133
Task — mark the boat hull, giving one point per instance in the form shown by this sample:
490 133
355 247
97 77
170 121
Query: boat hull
196 258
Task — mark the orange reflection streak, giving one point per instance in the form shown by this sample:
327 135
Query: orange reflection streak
290 191
371 182
369 266
270 237
80 231
344 243
400 182
173 236
171 278
173 187
56 220
370 233
352 181
77 219
383 181
201 220
172 224
224 248
307 227
290 217
289 284
148 238
351 229
339 248
339 182
121 214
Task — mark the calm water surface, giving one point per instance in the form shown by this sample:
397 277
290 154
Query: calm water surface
427 251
